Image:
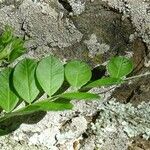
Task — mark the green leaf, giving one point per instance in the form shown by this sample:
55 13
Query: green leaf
58 105
77 73
17 48
24 80
7 35
80 96
26 110
119 67
104 82
3 132
6 51
50 74
8 100
45 105
11 47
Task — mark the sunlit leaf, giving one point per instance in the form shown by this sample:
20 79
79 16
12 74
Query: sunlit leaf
24 80
104 82
119 67
8 100
58 105
80 96
45 105
50 74
77 73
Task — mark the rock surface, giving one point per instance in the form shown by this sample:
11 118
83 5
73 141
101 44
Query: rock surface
91 30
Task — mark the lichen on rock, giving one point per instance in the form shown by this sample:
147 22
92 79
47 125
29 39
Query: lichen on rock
93 31
78 6
118 122
94 47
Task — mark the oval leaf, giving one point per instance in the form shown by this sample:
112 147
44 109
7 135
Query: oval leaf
77 73
80 96
50 74
58 105
104 82
44 105
8 100
24 80
119 67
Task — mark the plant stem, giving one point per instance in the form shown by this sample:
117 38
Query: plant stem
137 76
20 112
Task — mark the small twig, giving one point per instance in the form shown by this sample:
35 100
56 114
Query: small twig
137 76
129 78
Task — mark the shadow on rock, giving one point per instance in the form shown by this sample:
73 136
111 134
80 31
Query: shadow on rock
11 124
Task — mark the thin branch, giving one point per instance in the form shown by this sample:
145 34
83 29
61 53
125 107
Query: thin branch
137 76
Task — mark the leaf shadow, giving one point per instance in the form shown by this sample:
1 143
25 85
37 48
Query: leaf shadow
97 73
63 88
13 123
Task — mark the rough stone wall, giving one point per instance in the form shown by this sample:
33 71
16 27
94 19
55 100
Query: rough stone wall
91 30
139 13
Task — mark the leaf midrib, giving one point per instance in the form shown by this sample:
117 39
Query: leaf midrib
119 68
29 88
50 77
8 92
76 79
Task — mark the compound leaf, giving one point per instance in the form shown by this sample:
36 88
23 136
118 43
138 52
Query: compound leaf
104 82
80 96
8 100
50 74
77 73
24 80
119 67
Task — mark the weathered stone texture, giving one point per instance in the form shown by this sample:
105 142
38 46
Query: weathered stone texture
91 30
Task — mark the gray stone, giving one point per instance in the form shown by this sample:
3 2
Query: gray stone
117 122
41 24
93 31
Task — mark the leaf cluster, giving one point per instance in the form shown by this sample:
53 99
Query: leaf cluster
11 47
